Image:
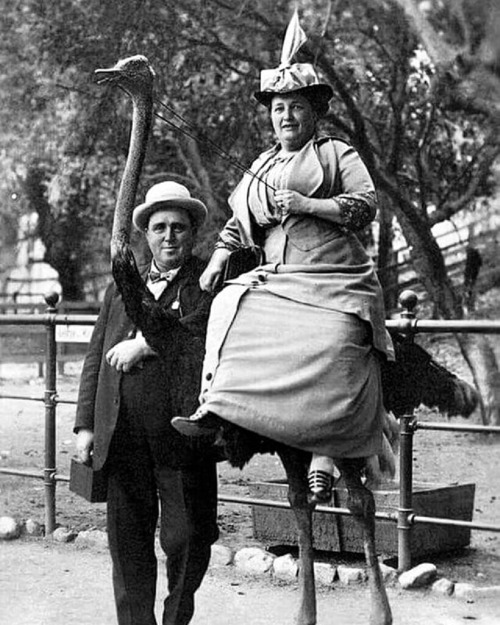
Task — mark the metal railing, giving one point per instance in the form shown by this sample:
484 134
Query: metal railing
49 321
404 516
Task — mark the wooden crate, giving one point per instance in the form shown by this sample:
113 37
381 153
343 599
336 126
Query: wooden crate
275 526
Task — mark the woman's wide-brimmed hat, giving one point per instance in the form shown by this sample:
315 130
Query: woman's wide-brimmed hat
168 194
293 77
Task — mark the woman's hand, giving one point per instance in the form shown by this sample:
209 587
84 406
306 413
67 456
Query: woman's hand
291 202
213 274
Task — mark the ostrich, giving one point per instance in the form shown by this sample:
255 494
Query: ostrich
135 76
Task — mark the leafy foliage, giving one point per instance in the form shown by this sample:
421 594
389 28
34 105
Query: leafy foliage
71 137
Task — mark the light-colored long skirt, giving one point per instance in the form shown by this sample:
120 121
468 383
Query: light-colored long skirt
304 376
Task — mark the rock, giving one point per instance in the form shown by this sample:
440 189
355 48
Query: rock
324 573
63 535
286 567
221 555
348 575
9 528
92 538
34 528
419 576
463 590
443 586
254 561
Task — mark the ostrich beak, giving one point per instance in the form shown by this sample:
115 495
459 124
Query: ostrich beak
102 76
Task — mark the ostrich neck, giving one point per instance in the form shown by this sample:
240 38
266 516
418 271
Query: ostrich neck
141 123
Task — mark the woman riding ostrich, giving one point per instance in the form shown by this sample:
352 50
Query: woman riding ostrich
135 76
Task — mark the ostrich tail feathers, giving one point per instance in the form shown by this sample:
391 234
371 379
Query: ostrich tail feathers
415 378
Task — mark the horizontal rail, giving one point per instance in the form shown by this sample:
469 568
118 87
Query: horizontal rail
405 326
429 520
39 474
271 503
477 429
41 320
70 402
385 516
23 397
24 319
414 326
22 472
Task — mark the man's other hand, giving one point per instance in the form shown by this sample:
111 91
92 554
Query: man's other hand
84 445
129 353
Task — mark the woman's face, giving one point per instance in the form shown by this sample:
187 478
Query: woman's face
293 120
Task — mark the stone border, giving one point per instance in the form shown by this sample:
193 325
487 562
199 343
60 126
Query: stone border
259 563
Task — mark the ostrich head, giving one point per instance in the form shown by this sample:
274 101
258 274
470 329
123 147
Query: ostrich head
133 74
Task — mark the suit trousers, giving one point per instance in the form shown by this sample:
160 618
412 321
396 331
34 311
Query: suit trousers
142 487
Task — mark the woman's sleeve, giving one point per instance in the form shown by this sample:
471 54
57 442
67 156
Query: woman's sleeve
229 237
357 199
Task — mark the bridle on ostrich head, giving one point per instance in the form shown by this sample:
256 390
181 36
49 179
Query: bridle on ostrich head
133 74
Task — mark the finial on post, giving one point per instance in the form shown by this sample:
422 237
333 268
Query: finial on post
408 300
51 299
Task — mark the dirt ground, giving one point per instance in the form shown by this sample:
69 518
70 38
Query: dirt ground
70 577
45 583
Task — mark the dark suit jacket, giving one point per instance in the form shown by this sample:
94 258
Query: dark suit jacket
99 395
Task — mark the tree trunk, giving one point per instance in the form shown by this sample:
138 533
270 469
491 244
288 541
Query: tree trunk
387 258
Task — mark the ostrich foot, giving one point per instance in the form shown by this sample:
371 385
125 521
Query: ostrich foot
200 424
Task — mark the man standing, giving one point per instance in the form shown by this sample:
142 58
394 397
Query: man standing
127 398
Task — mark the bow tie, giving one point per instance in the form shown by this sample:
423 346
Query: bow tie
156 276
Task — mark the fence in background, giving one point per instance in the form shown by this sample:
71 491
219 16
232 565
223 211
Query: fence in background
404 516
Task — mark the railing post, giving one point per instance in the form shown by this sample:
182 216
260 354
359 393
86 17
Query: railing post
408 300
405 510
50 414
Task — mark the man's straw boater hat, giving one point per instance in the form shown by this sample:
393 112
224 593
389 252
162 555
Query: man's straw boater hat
164 195
296 77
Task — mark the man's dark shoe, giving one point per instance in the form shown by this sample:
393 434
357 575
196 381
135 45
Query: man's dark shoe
199 424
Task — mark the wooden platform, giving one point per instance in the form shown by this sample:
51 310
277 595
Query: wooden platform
275 526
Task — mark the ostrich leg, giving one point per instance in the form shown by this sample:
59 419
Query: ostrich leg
362 505
296 471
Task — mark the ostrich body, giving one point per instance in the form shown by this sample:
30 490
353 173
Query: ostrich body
240 445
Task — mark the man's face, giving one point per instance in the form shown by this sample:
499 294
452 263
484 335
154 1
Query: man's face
170 236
